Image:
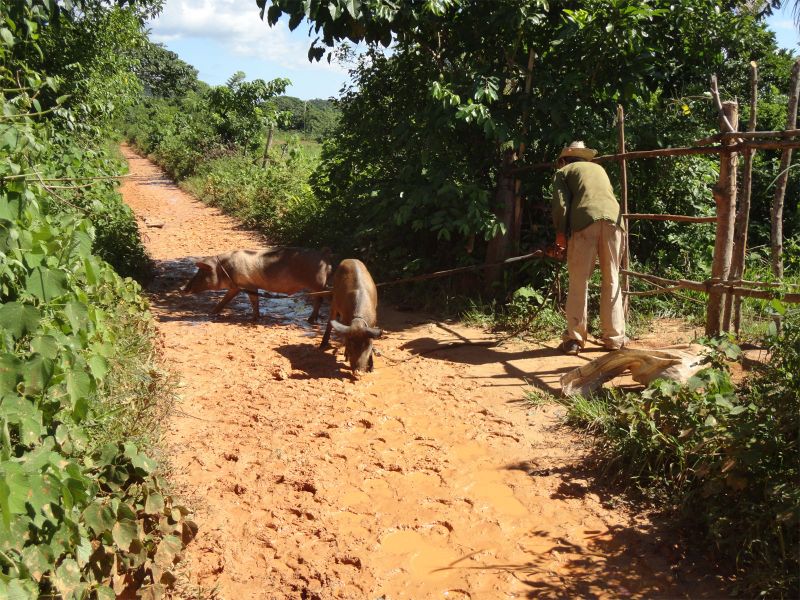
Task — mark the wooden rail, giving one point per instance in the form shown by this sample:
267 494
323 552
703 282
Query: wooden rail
710 285
679 151
658 217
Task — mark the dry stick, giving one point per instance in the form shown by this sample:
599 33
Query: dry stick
761 284
725 199
662 290
780 189
768 145
733 305
71 187
747 135
623 185
691 150
727 125
752 134
50 190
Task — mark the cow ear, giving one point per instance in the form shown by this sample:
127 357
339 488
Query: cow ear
343 329
204 266
374 332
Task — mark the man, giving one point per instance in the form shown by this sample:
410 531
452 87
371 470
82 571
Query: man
586 212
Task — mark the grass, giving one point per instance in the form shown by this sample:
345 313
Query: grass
310 146
138 394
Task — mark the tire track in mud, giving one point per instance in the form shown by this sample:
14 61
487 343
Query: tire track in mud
429 478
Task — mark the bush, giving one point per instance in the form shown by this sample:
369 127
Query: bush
277 199
82 513
726 456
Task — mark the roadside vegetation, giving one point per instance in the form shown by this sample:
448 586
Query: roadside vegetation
83 510
723 457
405 177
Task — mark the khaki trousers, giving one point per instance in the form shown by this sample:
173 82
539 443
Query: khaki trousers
603 239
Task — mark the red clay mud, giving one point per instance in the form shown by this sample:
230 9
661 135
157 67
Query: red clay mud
429 478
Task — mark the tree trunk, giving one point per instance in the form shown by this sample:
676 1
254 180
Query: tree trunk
725 198
504 200
734 305
783 177
516 221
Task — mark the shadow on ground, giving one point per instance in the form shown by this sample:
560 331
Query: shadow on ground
640 559
539 367
310 362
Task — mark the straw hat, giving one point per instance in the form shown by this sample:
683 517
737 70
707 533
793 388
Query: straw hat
578 150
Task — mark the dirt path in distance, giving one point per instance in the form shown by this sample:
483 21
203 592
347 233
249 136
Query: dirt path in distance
428 478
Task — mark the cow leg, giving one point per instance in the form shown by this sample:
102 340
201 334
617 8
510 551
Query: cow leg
327 335
229 295
317 302
254 303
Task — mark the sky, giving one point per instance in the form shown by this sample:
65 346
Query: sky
220 37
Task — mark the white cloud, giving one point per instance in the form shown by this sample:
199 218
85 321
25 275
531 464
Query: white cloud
782 24
236 24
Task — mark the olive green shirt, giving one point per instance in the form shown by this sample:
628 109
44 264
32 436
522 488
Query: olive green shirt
582 194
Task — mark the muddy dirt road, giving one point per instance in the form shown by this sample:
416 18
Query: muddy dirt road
429 478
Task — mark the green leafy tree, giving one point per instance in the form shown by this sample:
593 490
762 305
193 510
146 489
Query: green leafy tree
162 73
316 117
241 109
424 131
90 51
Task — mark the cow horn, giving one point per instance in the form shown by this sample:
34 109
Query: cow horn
343 329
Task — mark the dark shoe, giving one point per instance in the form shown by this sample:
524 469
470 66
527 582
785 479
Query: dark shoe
571 347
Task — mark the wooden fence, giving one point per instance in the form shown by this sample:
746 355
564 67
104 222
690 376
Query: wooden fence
725 288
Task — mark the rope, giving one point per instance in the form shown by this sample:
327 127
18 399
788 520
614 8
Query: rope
486 343
426 276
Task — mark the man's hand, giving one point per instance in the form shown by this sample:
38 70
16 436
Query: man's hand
557 251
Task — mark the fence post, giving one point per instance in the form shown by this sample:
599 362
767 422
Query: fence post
725 198
265 158
623 194
733 305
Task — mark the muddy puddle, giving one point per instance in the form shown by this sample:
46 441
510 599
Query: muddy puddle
170 276
429 478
